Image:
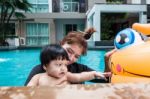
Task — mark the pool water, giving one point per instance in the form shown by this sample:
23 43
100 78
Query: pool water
16 65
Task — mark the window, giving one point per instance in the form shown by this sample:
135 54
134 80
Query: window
117 1
37 34
112 23
40 6
73 27
69 27
148 11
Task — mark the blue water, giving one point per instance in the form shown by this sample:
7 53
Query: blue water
16 65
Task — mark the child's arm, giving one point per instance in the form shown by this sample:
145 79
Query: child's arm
84 76
34 81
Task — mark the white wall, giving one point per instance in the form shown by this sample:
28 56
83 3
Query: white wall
148 1
50 5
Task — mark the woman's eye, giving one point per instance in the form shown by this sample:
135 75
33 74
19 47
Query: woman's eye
77 56
69 51
124 38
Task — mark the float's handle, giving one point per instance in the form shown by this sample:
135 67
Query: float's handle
142 28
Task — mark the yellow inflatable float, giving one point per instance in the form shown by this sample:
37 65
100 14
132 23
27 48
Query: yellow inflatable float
131 62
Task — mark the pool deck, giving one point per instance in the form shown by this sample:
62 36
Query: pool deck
96 91
8 48
101 47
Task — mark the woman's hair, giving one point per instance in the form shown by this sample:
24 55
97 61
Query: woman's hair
52 52
78 37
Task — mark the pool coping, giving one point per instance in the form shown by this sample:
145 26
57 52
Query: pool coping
95 91
9 48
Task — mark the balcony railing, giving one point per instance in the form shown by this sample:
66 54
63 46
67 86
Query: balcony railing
80 6
69 7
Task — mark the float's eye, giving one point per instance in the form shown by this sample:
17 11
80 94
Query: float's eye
124 38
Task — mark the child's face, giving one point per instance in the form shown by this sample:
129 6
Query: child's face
57 68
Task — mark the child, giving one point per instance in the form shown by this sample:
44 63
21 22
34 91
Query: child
54 60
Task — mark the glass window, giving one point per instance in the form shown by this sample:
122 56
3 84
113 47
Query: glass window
116 1
75 7
42 8
32 1
69 27
42 1
66 0
80 27
75 0
148 11
39 6
37 33
112 23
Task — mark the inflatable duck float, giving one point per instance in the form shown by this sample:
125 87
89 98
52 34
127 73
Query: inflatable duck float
131 62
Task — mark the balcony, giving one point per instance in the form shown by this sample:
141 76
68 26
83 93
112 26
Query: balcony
58 6
69 7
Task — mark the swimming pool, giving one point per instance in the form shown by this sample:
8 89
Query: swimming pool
16 65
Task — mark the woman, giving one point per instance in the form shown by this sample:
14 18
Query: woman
76 45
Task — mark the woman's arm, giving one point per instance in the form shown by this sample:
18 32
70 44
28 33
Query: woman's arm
107 57
84 76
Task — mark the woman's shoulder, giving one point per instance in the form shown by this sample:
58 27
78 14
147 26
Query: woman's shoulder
78 64
38 69
77 68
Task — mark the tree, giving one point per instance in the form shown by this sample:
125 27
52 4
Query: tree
9 9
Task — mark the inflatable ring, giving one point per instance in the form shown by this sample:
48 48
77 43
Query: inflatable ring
131 63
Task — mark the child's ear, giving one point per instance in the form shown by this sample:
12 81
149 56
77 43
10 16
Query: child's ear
44 67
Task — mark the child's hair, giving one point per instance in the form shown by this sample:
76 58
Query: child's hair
52 52
78 37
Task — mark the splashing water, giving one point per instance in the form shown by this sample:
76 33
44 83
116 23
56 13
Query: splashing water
4 59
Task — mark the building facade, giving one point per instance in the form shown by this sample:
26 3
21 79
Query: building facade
51 20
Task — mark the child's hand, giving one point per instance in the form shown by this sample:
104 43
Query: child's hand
99 75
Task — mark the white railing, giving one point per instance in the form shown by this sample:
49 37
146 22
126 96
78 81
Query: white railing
69 7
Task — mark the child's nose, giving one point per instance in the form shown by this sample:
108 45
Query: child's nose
64 68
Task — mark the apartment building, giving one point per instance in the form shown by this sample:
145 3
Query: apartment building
110 18
51 20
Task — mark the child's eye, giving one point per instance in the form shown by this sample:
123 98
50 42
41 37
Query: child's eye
59 65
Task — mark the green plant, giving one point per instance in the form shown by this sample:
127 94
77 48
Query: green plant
9 9
108 23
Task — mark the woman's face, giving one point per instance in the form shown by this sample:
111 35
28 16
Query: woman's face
74 51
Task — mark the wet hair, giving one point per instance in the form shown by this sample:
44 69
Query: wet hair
52 52
78 37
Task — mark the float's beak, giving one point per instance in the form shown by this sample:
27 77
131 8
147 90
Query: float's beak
142 28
